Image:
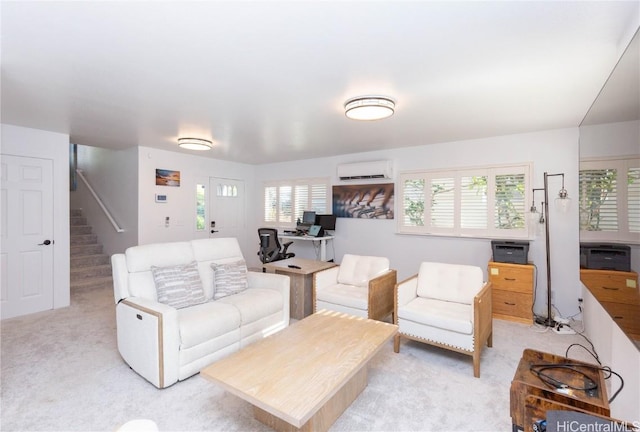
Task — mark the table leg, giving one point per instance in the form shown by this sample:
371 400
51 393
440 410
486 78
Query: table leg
323 250
327 414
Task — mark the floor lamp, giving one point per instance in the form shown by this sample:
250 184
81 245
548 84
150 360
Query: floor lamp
562 201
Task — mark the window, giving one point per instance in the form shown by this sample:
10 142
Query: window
200 208
285 201
609 199
224 190
478 202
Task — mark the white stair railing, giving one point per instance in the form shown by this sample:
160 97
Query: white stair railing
99 201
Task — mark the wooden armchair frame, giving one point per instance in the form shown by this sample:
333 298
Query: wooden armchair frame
482 326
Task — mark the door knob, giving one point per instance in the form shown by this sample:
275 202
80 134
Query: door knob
213 231
45 243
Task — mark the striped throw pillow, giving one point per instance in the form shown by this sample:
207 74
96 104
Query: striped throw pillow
179 286
229 278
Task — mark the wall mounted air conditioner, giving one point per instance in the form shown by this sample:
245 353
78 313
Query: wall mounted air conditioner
366 170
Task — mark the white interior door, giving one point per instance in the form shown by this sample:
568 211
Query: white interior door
26 230
226 209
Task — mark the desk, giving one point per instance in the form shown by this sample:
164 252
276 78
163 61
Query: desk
301 282
526 384
322 240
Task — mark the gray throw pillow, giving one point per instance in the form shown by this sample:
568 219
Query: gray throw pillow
179 286
229 278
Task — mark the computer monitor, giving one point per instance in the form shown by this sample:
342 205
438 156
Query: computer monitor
308 217
326 221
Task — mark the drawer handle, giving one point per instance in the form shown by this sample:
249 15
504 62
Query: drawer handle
510 304
509 279
611 288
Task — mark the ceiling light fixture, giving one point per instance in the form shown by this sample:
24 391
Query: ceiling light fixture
369 107
195 144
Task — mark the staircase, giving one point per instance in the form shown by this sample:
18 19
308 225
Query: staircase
90 268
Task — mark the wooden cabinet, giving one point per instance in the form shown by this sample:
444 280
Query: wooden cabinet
528 391
512 291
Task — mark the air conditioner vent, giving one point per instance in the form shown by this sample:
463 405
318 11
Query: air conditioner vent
365 170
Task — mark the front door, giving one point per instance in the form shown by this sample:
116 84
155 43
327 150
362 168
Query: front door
226 209
26 230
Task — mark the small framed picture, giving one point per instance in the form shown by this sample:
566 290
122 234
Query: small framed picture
167 177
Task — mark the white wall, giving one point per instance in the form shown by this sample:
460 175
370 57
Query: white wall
114 177
19 141
180 207
551 151
613 140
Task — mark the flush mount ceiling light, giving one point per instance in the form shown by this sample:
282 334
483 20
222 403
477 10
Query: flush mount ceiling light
369 107
195 144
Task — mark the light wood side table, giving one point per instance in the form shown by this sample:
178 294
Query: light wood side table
301 279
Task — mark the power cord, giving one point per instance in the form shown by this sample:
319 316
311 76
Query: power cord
539 371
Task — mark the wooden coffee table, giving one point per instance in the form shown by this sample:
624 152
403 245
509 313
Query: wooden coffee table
304 377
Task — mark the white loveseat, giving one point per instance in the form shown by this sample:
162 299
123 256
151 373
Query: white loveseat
165 344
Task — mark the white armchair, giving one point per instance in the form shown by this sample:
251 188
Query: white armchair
446 305
360 285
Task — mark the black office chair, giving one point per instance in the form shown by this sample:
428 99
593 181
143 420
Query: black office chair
270 248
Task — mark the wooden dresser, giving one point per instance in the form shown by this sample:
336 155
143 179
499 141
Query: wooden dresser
512 291
618 293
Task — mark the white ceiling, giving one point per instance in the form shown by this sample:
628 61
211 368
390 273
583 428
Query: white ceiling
266 81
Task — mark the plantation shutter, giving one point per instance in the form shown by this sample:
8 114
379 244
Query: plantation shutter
633 199
285 209
285 201
413 201
473 202
301 200
270 203
509 205
442 202
319 198
598 199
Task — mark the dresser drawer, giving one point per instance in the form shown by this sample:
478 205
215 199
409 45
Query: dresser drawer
609 279
516 278
512 305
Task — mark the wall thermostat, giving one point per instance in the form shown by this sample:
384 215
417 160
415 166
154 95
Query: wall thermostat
161 198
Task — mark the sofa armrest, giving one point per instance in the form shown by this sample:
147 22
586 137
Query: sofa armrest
482 316
404 292
119 273
381 294
149 339
274 281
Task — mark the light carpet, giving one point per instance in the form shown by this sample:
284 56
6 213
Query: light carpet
61 371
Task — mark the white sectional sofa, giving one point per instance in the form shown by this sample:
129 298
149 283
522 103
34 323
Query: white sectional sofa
166 344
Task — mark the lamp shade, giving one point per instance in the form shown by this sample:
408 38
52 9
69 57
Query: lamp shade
195 144
563 204
369 107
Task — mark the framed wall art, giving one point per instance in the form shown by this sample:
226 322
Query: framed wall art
367 201
167 177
